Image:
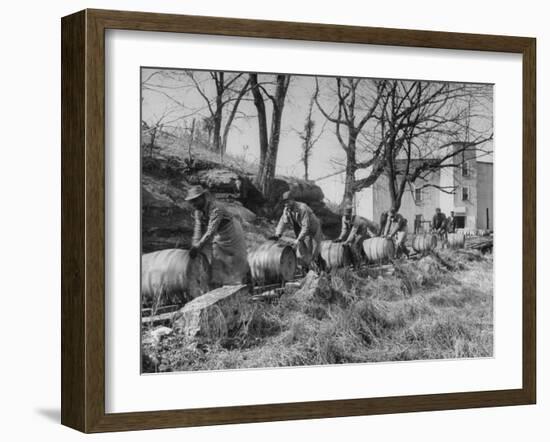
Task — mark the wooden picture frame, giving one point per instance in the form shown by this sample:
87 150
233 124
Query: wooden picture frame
83 220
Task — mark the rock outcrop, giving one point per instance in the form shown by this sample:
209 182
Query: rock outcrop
213 315
167 219
310 193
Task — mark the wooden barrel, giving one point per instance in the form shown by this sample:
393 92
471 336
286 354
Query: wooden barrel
456 240
336 254
272 262
377 249
171 273
424 243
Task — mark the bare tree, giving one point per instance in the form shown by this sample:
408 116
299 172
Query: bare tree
356 103
229 89
208 128
423 127
309 138
269 143
155 127
221 93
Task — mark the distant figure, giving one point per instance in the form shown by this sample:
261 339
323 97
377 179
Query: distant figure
451 223
439 221
219 235
439 225
394 226
307 229
355 230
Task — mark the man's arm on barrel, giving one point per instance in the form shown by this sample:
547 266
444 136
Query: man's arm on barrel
214 221
343 231
372 228
383 220
352 234
399 223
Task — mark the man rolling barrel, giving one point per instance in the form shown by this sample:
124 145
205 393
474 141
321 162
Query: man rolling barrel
355 230
451 223
439 225
307 229
394 226
219 235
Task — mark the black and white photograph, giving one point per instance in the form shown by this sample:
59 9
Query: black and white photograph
306 220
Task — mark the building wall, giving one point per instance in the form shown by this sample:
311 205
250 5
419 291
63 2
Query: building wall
478 180
364 205
484 195
467 208
447 181
409 207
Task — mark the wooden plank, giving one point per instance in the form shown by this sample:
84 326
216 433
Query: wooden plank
163 318
159 310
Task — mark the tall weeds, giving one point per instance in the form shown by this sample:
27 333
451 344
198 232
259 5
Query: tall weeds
423 311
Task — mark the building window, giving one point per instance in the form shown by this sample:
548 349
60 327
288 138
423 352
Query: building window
465 169
418 195
465 194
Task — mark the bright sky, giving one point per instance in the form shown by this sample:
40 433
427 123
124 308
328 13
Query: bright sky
167 95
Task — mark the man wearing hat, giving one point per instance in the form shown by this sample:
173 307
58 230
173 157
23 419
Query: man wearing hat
219 235
355 230
451 223
393 225
439 225
307 229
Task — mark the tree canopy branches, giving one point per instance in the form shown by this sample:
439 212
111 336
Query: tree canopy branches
404 130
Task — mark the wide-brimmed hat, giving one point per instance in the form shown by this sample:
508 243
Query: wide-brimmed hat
287 196
194 192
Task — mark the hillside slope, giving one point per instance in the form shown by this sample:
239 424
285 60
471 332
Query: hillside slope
423 311
168 172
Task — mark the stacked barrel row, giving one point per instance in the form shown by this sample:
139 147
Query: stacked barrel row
172 271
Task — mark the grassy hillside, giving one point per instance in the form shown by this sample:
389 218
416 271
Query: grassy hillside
423 311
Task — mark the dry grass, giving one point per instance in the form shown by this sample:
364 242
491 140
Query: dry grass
424 311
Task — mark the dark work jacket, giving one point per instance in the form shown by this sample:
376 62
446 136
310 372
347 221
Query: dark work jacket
451 224
396 223
357 227
438 221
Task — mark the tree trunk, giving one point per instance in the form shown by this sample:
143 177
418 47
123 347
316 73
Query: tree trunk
218 114
152 142
268 175
217 129
230 119
351 166
269 148
262 122
396 200
191 139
